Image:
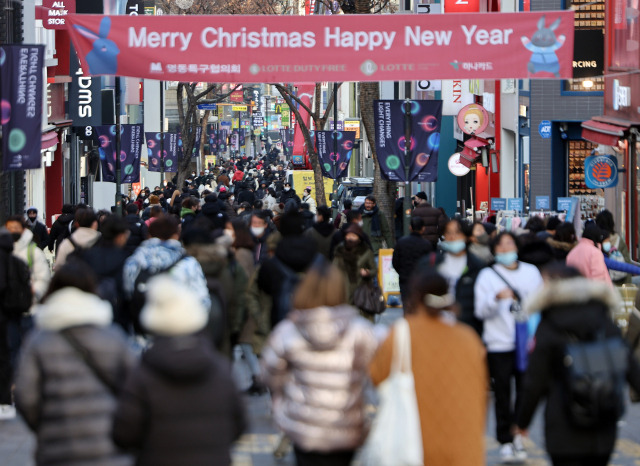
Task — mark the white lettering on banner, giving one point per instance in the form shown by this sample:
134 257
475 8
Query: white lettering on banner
358 39
484 37
157 39
218 37
427 38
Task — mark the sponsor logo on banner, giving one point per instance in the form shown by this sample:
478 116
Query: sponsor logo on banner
129 157
21 99
335 164
426 117
601 171
325 47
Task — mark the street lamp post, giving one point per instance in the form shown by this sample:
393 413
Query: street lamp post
267 101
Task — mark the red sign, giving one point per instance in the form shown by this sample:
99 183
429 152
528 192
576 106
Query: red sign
237 95
54 12
325 47
306 92
461 6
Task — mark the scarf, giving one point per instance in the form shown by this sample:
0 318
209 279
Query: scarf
376 229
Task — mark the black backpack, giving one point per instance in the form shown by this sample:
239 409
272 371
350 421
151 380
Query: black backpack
18 296
138 299
595 373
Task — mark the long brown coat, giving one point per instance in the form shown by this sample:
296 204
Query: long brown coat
451 382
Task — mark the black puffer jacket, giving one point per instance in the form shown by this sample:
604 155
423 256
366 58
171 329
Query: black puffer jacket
407 253
59 231
577 307
434 220
180 406
139 232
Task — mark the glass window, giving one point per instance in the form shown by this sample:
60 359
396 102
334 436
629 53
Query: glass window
624 24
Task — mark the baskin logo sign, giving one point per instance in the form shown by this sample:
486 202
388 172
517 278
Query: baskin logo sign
601 171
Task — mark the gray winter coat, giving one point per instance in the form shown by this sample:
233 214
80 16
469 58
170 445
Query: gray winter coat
63 402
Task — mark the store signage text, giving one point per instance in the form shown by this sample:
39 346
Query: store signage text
54 13
621 95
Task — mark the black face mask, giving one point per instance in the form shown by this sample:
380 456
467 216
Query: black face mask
16 236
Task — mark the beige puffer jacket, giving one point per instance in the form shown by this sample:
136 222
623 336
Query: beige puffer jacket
315 364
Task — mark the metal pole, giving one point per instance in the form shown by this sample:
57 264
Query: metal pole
162 132
407 163
118 146
334 201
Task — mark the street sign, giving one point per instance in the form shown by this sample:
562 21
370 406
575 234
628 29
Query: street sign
258 120
207 106
498 203
239 108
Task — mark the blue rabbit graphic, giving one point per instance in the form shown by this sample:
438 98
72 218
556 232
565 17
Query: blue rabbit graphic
103 59
543 45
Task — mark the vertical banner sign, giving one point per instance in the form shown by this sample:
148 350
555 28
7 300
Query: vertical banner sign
241 137
85 100
212 135
197 142
335 165
305 94
287 141
170 147
21 89
235 140
426 117
130 149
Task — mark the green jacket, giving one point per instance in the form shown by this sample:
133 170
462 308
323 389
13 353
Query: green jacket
351 262
386 234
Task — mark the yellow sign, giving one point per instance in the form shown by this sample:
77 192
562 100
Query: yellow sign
304 178
210 161
387 275
352 125
235 123
239 108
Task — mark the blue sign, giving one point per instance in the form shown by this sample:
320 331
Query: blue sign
498 203
207 106
515 203
544 128
564 204
601 171
543 203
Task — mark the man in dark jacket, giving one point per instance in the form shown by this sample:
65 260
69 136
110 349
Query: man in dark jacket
434 218
289 197
39 229
408 252
376 226
7 411
61 228
138 229
260 232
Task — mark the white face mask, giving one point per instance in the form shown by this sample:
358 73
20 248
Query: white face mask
287 189
257 231
232 198
230 233
361 222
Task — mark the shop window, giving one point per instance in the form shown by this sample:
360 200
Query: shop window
589 16
624 24
591 201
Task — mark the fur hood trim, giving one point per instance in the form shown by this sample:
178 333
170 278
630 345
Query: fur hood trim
70 307
572 292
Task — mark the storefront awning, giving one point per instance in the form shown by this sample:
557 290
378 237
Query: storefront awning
49 140
602 133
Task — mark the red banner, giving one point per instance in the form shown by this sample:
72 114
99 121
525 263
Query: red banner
326 47
305 93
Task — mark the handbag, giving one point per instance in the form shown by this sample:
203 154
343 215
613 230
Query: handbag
522 328
395 438
368 298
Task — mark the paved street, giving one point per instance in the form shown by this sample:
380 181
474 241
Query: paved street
257 446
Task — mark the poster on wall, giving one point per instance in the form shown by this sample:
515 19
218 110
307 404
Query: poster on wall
130 149
21 89
426 117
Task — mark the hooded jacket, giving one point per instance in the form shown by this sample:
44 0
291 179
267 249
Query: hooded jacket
578 307
83 237
37 261
59 231
589 261
180 405
59 396
315 364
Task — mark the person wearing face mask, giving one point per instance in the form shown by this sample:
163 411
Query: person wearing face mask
289 198
39 229
260 232
479 245
322 231
355 259
310 201
459 267
498 291
587 256
353 217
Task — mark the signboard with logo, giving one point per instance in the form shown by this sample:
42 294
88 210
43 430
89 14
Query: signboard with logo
325 47
85 100
207 106
543 203
352 125
456 167
498 203
257 119
544 129
237 95
601 171
622 97
55 12
588 53
564 204
461 6
239 108
515 203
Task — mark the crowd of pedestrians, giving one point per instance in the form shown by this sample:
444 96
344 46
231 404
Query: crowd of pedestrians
120 350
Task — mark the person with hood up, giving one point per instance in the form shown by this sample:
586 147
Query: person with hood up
434 218
572 309
322 231
450 374
309 200
61 228
375 225
84 237
587 256
180 404
354 258
39 229
315 364
70 373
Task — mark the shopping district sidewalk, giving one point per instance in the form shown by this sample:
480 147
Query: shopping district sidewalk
256 447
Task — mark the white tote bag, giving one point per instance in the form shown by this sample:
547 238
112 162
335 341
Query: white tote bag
396 437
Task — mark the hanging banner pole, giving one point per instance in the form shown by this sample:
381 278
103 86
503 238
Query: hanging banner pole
118 148
407 166
334 202
162 132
